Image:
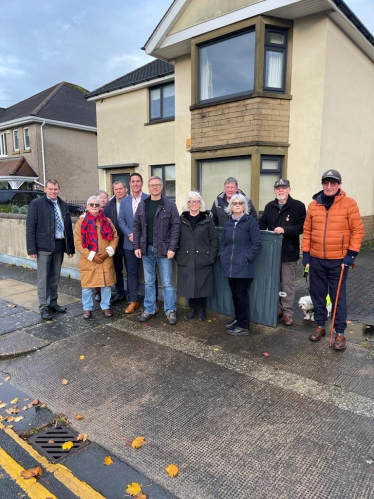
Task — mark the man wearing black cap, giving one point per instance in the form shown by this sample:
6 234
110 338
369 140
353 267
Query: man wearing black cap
333 234
285 216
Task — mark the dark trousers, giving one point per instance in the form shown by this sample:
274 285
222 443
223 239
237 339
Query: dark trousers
48 275
240 296
118 261
324 279
197 302
132 269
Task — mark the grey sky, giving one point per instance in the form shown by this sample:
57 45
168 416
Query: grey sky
89 44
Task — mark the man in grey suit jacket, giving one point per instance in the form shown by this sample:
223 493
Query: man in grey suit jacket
127 211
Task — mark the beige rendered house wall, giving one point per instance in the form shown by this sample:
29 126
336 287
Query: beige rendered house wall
348 118
71 158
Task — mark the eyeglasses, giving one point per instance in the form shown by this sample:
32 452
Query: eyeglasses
333 183
154 185
194 201
93 205
238 202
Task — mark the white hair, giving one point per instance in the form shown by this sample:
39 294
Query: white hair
93 197
195 195
239 197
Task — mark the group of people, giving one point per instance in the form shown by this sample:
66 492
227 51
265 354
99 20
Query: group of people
128 228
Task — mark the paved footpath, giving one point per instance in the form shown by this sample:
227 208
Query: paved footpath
298 423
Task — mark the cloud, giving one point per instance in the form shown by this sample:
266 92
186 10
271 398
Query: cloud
8 66
121 62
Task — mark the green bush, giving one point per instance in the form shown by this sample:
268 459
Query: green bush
15 209
23 209
5 208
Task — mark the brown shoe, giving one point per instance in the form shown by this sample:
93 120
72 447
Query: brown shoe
157 308
287 320
87 314
280 314
134 305
339 342
317 333
107 312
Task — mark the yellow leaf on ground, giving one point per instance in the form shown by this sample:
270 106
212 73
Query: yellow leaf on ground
32 472
172 470
78 417
81 357
7 378
133 489
24 408
65 381
43 405
82 436
67 445
138 442
10 426
141 496
14 401
108 461
3 405
18 418
25 400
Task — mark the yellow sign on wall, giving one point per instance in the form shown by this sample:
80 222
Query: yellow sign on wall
188 144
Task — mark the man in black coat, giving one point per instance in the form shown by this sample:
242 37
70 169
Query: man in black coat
111 211
221 202
285 216
49 234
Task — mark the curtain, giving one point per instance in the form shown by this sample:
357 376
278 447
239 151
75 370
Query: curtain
274 69
206 77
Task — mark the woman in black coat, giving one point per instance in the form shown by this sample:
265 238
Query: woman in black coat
198 247
241 242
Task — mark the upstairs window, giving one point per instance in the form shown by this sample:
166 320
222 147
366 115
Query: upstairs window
270 172
162 102
275 60
3 151
15 140
26 139
227 67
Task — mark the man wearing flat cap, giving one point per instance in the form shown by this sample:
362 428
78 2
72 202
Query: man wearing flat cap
285 216
333 234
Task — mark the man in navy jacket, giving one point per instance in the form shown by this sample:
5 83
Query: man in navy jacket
285 216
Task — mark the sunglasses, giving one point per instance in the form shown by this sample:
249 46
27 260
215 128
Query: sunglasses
93 205
238 202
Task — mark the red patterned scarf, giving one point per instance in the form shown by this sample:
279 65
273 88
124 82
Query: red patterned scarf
89 231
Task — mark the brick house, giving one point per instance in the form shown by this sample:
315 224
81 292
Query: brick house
260 90
50 135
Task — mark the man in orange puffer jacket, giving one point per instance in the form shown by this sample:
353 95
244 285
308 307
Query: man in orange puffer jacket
333 234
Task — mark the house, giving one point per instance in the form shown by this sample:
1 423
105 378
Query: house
261 89
50 135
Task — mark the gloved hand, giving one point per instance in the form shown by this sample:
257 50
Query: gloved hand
96 259
306 258
350 258
103 255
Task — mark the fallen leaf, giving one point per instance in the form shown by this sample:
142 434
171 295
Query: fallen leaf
18 418
81 357
349 322
138 442
9 418
215 349
51 441
172 470
24 408
43 405
25 400
141 496
30 406
78 417
11 306
14 401
7 378
133 489
11 410
108 461
82 436
10 426
32 472
265 354
35 402
65 381
67 445
3 405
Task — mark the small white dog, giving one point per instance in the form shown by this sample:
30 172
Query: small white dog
306 305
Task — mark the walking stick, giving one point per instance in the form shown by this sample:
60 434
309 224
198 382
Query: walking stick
336 304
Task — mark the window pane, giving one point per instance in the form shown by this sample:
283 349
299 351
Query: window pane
270 164
16 141
277 38
168 104
155 103
169 181
156 171
3 150
26 138
274 64
227 67
214 174
267 189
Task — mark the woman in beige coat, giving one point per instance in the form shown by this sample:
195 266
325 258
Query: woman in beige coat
96 239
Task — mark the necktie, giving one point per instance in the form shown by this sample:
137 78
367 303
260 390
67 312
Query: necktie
60 227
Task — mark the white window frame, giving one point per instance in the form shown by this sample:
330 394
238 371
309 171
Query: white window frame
15 133
3 148
25 147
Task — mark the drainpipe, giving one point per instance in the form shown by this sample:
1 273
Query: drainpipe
43 156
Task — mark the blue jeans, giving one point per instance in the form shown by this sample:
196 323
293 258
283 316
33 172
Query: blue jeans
165 269
87 299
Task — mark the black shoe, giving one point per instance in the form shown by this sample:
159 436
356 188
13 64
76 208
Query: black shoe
117 298
201 314
46 315
145 316
57 309
231 323
238 331
190 314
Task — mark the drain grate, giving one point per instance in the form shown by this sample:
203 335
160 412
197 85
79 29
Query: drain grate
49 442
